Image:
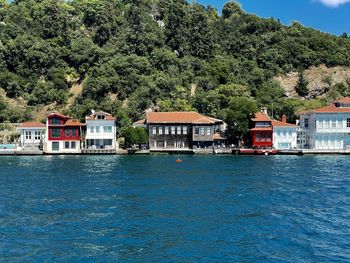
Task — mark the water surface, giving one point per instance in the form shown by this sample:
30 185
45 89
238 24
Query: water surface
152 209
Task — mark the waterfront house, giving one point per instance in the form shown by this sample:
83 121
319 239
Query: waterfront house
270 133
261 133
284 134
63 135
31 135
182 131
326 128
100 133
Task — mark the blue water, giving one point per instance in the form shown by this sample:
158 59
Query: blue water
152 209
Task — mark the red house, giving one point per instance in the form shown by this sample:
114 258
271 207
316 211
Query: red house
262 131
63 134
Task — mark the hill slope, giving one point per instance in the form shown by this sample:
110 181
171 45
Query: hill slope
132 55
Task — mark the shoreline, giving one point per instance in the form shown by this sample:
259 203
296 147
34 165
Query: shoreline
247 152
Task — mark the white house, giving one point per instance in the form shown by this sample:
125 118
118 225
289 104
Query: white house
284 134
326 128
100 132
31 134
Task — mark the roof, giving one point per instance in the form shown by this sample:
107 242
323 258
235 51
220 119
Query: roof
331 108
107 115
262 129
140 122
73 122
328 109
343 100
218 137
259 116
32 124
190 117
54 114
282 124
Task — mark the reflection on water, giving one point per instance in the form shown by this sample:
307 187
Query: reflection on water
152 209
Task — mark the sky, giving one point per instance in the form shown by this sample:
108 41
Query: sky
332 16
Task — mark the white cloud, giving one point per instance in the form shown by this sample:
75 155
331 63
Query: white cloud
334 3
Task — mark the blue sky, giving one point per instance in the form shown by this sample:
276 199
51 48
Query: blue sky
331 16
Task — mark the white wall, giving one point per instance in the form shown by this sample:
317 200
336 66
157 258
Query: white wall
101 134
284 138
30 141
62 149
328 131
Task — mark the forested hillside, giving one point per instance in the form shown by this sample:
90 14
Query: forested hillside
127 56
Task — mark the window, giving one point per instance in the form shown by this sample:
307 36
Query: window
208 131
107 142
202 131
28 135
258 137
166 130
66 145
92 129
196 130
339 123
160 130
37 135
348 122
178 130
55 146
72 145
55 121
268 137
55 133
154 130
97 129
74 132
306 123
100 117
320 124
184 129
334 124
107 129
172 130
67 132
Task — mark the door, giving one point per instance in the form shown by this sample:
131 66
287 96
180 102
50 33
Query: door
55 146
347 141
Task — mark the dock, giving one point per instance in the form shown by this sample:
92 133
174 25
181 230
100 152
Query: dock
21 152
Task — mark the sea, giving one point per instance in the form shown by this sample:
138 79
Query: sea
150 208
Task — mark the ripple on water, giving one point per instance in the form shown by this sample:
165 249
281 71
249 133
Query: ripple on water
151 209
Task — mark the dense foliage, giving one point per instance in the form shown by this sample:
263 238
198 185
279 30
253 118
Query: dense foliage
133 55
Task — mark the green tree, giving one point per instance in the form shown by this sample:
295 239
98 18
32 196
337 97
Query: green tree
237 116
134 136
231 8
301 87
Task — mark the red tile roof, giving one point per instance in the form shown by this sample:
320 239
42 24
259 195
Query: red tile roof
343 100
107 115
259 116
282 124
180 117
74 123
328 109
331 108
32 124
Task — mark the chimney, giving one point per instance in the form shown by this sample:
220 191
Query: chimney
264 110
284 118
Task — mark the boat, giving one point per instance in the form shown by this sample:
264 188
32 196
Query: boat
178 161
